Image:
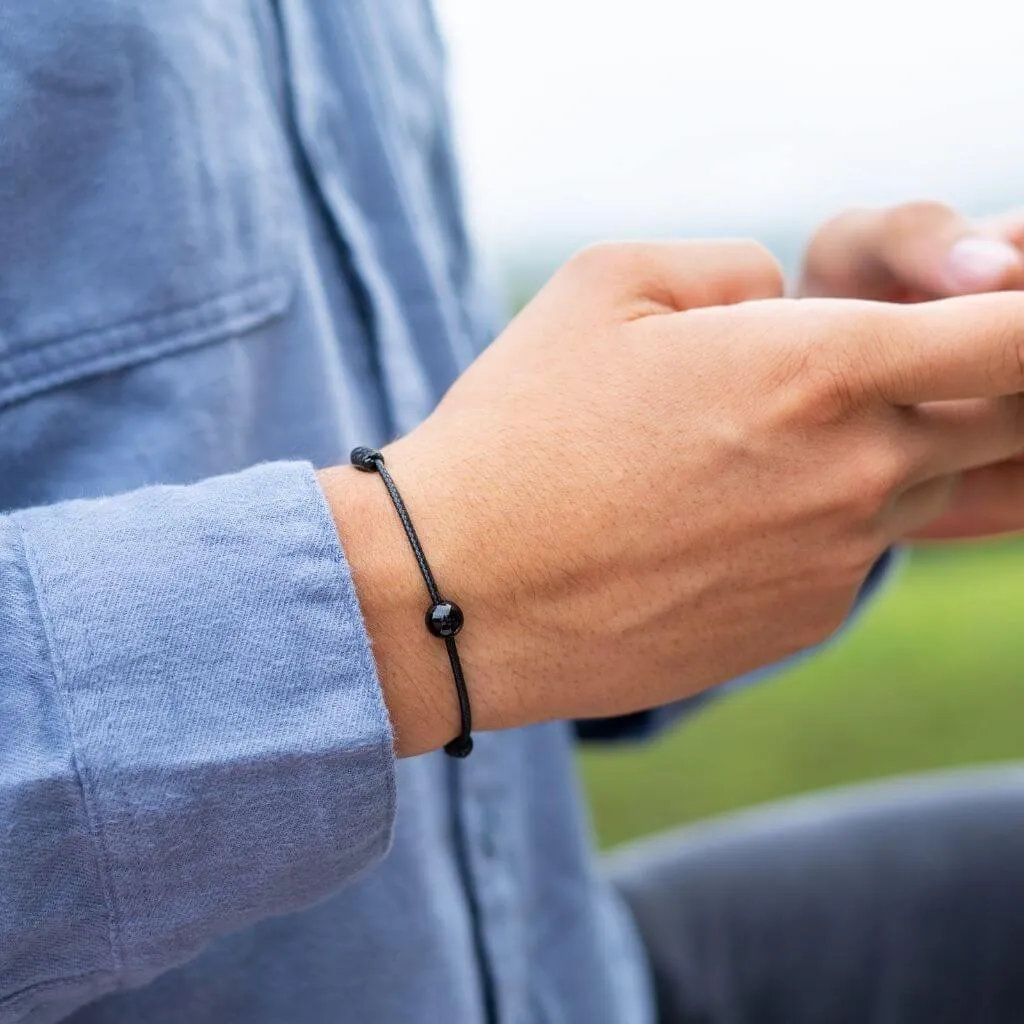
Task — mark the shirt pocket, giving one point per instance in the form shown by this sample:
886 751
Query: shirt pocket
141 181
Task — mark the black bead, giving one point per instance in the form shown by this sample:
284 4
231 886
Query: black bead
461 746
444 619
365 459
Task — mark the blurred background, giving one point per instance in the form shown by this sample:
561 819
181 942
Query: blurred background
581 120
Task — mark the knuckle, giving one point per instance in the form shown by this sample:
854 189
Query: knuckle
882 471
869 481
1013 349
846 356
760 272
1004 363
833 389
823 381
876 325
882 336
602 258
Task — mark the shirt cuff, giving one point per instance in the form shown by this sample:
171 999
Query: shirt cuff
232 742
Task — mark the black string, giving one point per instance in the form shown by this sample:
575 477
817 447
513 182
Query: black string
444 618
410 530
462 745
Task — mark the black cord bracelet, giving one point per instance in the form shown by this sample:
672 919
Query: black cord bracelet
443 618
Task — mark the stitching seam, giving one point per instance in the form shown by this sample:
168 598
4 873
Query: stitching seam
64 695
30 371
149 321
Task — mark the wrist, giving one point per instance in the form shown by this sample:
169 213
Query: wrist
412 664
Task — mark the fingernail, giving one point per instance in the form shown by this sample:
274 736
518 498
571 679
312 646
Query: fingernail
974 264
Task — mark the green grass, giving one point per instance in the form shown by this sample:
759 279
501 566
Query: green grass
932 676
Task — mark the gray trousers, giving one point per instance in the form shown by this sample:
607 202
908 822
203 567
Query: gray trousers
897 903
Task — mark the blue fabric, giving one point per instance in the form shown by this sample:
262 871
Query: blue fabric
232 249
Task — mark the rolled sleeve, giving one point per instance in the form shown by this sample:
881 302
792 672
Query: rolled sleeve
201 737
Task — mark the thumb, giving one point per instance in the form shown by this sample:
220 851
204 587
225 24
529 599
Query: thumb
931 250
669 277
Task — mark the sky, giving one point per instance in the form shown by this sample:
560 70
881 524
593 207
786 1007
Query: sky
584 119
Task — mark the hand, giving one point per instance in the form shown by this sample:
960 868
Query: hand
634 497
924 251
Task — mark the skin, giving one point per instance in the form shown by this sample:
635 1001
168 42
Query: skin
903 255
659 454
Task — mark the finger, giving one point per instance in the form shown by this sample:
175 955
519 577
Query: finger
987 501
910 252
933 249
920 506
669 277
968 347
950 437
842 260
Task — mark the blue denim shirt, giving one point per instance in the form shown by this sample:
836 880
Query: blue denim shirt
232 249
